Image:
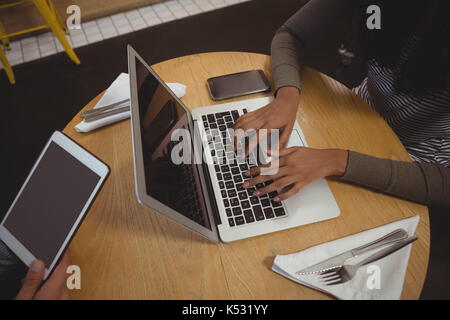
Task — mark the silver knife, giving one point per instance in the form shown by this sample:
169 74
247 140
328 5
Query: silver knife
97 116
340 259
104 109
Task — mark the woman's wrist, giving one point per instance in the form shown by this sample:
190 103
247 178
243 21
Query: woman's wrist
339 161
288 98
289 93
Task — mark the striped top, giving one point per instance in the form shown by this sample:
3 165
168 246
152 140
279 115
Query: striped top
421 121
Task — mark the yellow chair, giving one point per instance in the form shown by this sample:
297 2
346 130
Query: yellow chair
53 22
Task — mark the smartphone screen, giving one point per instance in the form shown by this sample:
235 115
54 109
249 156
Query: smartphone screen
238 84
50 203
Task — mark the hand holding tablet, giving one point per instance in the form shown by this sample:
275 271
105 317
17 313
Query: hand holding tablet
55 288
52 202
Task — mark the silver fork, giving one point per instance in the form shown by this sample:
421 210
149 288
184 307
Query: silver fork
346 272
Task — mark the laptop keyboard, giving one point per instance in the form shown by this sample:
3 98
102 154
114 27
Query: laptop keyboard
240 205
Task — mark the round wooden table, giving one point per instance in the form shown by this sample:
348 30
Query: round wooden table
126 251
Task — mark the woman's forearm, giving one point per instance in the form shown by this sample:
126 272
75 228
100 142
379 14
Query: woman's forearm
309 26
420 182
285 52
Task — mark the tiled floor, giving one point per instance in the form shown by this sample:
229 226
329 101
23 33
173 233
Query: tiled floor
46 44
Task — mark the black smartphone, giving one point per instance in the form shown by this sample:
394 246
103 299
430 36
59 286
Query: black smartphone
237 84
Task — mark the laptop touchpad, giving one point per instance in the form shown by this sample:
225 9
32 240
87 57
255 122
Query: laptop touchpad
294 140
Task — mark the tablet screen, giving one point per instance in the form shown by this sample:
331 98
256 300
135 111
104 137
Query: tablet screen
51 202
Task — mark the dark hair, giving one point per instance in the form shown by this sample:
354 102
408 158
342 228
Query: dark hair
428 65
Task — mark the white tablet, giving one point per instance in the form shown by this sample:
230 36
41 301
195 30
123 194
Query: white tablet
52 202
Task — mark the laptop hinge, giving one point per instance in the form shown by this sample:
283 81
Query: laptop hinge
209 194
212 198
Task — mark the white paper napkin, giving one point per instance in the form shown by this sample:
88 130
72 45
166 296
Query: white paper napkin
392 268
119 90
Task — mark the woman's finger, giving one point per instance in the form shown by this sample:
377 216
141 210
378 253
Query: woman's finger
282 152
285 134
254 181
290 192
263 178
276 185
246 129
32 281
256 138
252 172
266 168
248 117
59 275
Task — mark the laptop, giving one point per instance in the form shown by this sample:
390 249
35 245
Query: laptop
183 172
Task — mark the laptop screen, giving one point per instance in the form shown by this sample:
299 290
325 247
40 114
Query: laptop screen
175 185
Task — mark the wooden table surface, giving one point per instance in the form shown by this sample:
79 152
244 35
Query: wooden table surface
126 251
